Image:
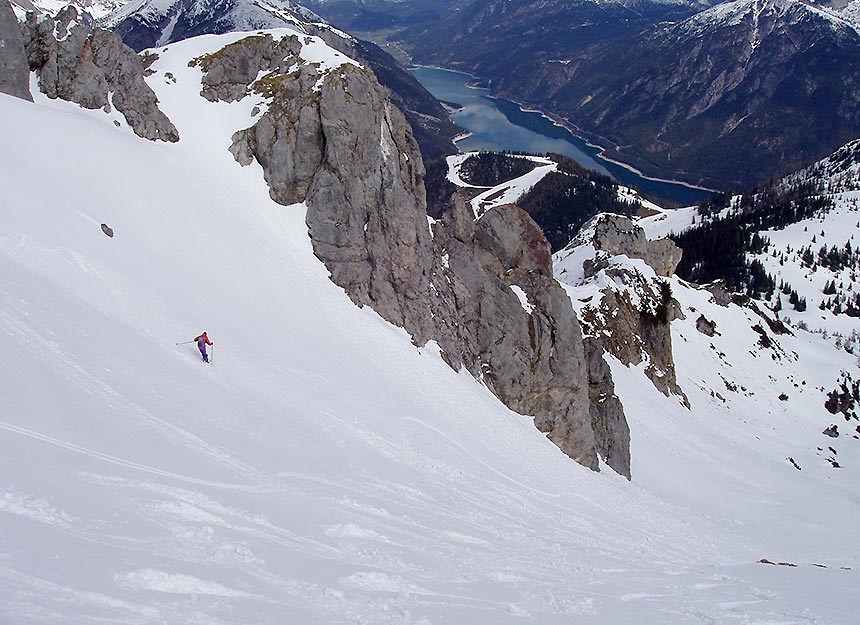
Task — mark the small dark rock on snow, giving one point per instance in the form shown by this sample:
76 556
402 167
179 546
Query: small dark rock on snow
832 431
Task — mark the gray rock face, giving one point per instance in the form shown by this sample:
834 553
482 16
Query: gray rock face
617 234
336 143
706 326
14 69
633 331
722 296
530 355
611 431
93 68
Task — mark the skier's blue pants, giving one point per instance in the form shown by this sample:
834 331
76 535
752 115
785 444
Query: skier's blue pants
204 354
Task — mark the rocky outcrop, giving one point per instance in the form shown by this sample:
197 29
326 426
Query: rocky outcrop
501 314
617 234
482 289
14 70
611 431
335 141
631 322
93 68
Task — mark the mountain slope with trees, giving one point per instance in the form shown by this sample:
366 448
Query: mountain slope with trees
725 97
792 243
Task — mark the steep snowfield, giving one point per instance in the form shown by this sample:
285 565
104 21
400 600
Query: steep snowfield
324 470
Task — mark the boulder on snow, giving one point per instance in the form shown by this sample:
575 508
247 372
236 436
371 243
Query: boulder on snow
722 296
832 431
706 326
107 230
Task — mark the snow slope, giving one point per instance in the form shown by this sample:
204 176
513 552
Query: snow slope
324 470
835 227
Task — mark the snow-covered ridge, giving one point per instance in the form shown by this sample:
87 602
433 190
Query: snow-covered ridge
760 16
153 23
94 9
506 193
243 12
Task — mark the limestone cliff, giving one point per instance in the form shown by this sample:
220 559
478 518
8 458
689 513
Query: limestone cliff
93 68
501 314
630 318
482 289
14 71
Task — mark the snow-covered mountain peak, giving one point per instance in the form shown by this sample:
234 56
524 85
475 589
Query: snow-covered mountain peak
150 23
761 17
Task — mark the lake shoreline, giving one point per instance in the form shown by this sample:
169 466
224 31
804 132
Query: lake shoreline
600 151
594 151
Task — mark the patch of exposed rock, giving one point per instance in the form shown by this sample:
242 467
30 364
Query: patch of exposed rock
722 295
617 234
611 431
706 326
633 322
14 69
529 353
93 68
338 144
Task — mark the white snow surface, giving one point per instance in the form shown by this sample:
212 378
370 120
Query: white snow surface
323 470
506 193
668 221
783 258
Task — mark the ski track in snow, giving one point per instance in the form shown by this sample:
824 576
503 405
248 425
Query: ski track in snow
324 470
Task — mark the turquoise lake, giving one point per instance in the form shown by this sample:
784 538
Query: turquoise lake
498 125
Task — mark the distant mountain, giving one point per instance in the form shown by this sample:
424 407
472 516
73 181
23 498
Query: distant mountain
89 9
846 10
724 96
150 23
731 96
496 37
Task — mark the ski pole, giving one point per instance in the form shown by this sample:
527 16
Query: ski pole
186 342
212 357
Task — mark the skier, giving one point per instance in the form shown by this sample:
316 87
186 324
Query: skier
202 342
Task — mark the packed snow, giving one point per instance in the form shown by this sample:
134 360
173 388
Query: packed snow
324 469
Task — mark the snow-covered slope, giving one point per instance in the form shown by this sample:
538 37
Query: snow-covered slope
324 470
813 256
